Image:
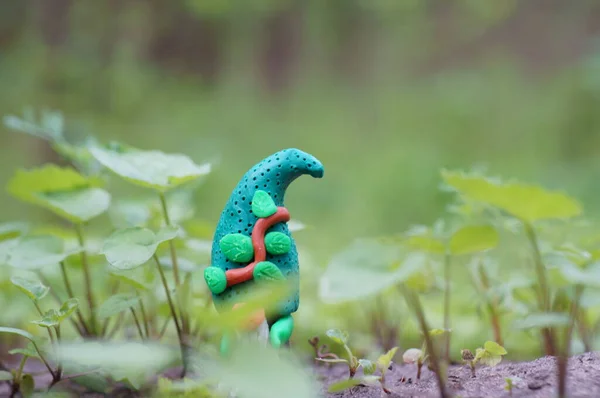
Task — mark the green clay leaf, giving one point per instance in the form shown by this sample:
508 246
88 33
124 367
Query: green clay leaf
117 304
35 252
472 239
494 348
27 386
216 279
542 320
529 203
5 376
61 190
237 248
385 360
18 332
131 247
152 169
34 290
338 336
277 243
263 205
343 385
369 367
267 271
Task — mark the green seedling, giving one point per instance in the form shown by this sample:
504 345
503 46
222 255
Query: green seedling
490 355
510 384
415 356
341 338
321 351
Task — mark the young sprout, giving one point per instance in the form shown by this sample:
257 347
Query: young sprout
415 355
510 383
383 363
341 338
468 357
490 355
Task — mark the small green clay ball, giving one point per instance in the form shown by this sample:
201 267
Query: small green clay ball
215 279
278 243
237 248
263 205
267 271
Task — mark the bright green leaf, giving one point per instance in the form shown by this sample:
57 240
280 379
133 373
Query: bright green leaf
117 304
494 348
472 239
237 247
152 169
529 203
167 233
27 386
337 335
5 376
35 252
61 190
277 243
343 385
542 320
369 367
263 205
11 230
426 243
385 360
18 332
131 247
487 358
67 309
34 290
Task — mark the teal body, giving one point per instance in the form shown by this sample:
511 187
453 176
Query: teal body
273 175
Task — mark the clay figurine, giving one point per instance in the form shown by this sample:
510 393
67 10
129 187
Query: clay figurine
252 242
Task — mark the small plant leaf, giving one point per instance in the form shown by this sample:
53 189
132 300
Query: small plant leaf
131 247
117 304
338 336
11 230
34 290
343 385
472 239
27 351
412 355
385 360
529 203
5 376
18 332
487 358
61 190
542 320
426 242
237 248
263 205
369 367
436 332
277 243
27 386
67 309
49 319
494 348
152 169
35 252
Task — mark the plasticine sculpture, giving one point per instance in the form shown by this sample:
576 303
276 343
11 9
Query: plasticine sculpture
252 241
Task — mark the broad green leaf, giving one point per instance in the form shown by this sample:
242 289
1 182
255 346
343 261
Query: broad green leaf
11 230
18 332
117 304
542 320
385 360
29 351
369 367
487 358
152 169
263 205
365 268
343 385
277 243
138 278
49 319
35 252
529 203
337 335
61 190
472 239
167 233
412 355
131 247
237 247
5 376
34 290
494 348
27 386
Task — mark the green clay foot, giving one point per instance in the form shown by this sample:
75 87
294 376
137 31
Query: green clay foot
267 271
225 347
281 331
215 279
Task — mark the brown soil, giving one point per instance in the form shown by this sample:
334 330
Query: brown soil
538 380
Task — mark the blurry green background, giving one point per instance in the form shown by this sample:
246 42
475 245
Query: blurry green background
385 93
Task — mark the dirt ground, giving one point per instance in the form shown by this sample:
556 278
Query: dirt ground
538 380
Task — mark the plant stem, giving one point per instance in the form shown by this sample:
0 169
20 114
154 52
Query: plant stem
59 369
144 317
63 271
43 359
583 328
18 375
137 323
492 305
447 264
115 327
563 358
39 310
544 293
80 328
87 278
163 329
173 313
413 301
